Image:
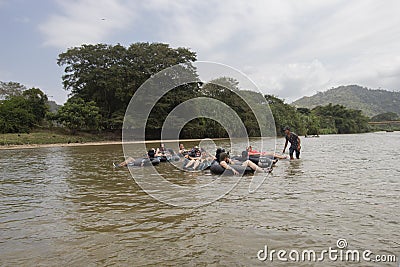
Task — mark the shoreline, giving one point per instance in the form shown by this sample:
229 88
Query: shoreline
103 143
98 143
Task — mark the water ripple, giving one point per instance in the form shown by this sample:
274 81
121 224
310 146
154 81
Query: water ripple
68 206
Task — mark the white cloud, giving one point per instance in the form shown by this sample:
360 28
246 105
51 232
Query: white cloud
289 48
292 80
85 21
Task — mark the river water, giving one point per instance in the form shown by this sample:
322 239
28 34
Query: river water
68 206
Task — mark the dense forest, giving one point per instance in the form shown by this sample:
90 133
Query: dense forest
102 78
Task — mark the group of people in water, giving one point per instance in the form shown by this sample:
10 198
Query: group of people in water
195 157
160 152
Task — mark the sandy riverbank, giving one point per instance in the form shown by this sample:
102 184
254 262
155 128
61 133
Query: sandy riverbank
59 145
101 143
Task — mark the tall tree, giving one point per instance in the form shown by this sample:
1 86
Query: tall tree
339 119
110 75
285 115
15 115
22 110
8 89
76 114
37 102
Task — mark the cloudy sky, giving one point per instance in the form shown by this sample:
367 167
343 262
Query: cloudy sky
288 48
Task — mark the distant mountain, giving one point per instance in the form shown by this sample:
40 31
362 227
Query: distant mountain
371 102
53 106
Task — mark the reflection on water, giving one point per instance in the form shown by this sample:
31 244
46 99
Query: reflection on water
68 206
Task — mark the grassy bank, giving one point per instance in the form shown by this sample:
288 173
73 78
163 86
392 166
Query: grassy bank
57 136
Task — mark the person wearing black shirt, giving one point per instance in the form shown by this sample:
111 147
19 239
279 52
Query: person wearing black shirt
294 141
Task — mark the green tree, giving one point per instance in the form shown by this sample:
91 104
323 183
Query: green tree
226 90
110 75
8 89
37 103
76 114
387 116
304 111
20 111
312 123
285 115
15 115
339 119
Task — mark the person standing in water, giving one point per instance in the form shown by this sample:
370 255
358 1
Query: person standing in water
294 140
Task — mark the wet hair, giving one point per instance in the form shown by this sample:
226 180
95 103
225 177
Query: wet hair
151 153
218 153
220 150
223 156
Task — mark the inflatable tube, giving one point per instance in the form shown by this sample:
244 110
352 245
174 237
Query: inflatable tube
201 167
169 158
139 162
155 161
262 161
219 170
205 165
175 158
254 158
238 158
164 158
265 162
144 162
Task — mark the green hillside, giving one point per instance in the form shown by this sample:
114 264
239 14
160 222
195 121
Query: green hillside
371 102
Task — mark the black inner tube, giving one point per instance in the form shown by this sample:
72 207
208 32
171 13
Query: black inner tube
219 170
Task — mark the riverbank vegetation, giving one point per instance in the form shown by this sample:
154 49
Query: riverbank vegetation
329 119
102 78
54 136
